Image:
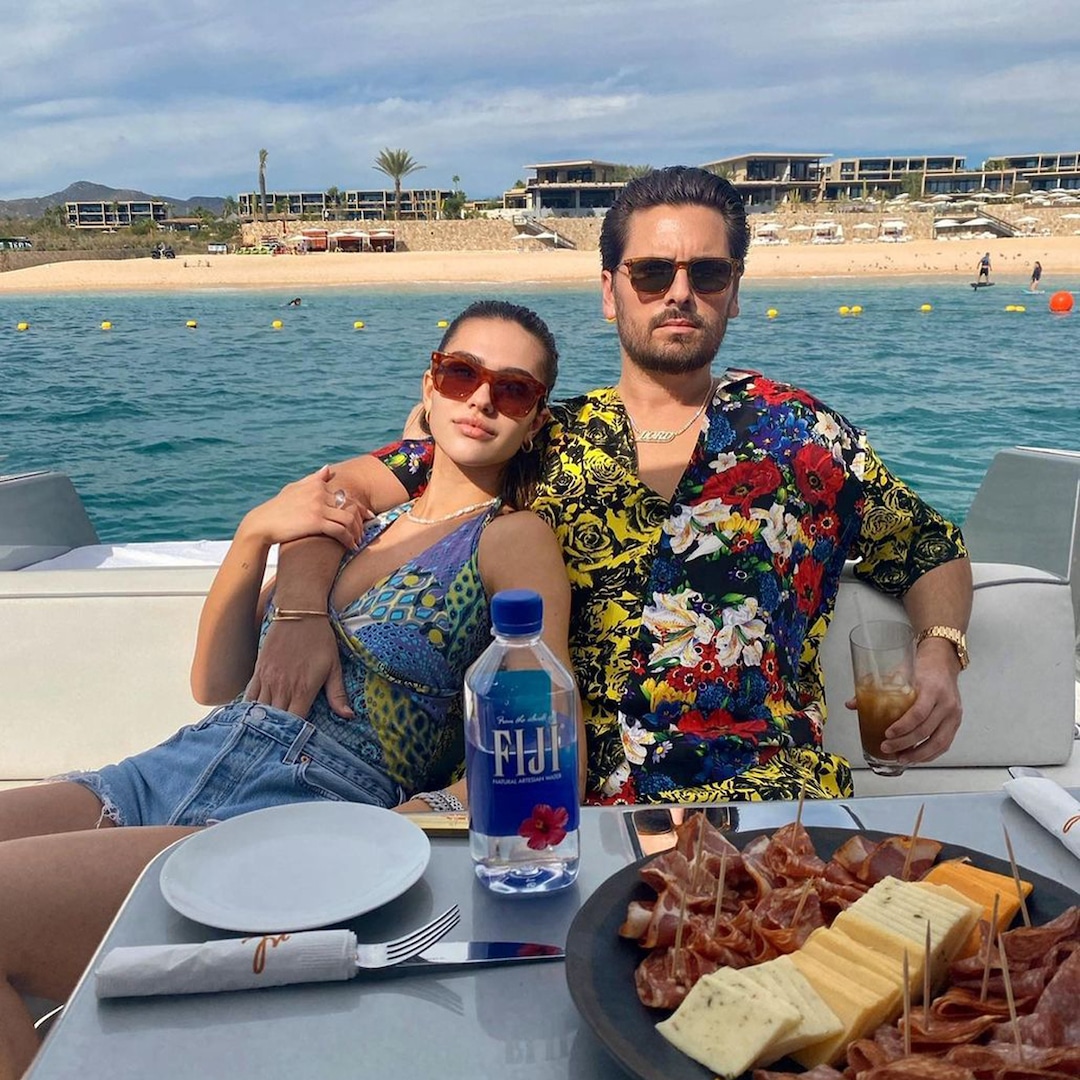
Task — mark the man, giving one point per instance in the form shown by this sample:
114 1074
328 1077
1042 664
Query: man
1036 276
984 268
704 523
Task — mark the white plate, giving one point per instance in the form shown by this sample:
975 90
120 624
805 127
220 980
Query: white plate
294 867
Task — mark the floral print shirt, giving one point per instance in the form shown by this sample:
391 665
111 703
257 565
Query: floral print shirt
696 623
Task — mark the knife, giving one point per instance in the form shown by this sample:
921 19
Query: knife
466 953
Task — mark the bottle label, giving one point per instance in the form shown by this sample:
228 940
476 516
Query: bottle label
523 772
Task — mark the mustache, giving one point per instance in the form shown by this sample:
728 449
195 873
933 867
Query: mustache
666 317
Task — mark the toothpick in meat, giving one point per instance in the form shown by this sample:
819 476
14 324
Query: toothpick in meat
1009 998
907 1008
989 945
911 842
1016 877
720 890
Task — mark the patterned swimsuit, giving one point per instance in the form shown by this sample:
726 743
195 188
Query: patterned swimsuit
404 646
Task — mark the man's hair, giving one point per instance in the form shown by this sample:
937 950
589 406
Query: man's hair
522 472
677 185
524 317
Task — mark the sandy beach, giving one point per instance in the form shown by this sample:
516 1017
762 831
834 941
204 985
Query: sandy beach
1012 258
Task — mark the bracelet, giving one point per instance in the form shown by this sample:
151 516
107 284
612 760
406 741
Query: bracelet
441 801
294 614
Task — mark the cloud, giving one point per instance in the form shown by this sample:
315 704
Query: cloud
178 99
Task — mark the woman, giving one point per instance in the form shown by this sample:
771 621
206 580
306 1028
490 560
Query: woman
409 608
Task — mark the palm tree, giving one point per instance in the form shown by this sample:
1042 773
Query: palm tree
397 164
263 155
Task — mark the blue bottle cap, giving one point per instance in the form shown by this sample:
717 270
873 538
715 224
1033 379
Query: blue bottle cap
517 611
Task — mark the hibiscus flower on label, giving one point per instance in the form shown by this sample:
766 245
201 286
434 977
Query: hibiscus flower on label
545 827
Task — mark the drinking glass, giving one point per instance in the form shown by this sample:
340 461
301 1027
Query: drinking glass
883 660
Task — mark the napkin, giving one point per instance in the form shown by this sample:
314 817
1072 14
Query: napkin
230 964
1050 805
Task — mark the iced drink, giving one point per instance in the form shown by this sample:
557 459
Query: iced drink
883 661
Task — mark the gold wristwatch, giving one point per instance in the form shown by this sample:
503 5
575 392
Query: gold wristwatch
950 634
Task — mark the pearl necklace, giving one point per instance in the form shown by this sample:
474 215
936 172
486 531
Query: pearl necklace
449 517
660 436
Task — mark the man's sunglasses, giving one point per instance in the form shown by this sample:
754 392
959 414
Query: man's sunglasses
649 275
458 377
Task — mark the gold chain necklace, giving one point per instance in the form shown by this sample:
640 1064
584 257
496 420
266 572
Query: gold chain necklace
449 517
651 435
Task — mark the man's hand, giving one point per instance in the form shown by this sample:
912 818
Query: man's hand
928 728
295 661
313 506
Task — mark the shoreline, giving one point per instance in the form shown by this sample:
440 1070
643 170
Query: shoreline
1012 260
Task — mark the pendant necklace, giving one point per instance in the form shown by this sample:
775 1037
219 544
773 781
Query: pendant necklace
659 436
453 514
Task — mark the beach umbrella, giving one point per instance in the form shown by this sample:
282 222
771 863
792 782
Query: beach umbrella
767 227
865 225
1070 217
1026 220
799 228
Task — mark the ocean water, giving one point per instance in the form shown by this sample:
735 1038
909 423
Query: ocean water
172 433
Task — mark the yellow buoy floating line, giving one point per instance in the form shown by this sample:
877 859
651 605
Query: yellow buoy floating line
442 324
106 325
771 313
358 325
926 307
22 326
191 324
277 324
1015 307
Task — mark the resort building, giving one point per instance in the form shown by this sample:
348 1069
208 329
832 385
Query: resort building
114 215
859 177
1043 172
376 204
774 177
568 189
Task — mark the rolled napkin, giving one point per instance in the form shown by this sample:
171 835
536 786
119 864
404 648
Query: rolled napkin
1050 805
230 964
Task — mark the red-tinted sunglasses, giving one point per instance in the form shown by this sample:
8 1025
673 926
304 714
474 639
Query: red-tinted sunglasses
458 377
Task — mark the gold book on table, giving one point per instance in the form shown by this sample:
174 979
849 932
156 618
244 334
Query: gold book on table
449 823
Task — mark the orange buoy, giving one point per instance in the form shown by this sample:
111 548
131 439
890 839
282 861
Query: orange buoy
1061 302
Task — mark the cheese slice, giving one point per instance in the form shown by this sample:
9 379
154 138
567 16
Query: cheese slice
727 1021
824 943
816 1020
907 909
879 938
981 886
860 1009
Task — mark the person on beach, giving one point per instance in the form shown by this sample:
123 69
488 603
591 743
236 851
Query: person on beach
1036 276
984 268
408 610
704 522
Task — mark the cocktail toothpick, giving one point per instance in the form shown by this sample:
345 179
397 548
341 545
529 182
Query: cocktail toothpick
802 799
907 1008
1016 877
989 944
720 889
696 869
911 843
802 900
1009 999
676 955
926 982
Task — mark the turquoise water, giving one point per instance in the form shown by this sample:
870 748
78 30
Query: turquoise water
172 433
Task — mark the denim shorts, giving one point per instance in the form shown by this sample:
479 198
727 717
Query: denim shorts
243 756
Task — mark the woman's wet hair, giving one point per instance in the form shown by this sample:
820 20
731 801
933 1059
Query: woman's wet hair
677 185
522 472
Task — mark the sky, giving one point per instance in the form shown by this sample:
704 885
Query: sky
178 98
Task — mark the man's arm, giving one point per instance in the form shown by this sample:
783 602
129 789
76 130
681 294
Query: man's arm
298 658
941 597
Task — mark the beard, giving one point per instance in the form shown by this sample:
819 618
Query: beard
676 356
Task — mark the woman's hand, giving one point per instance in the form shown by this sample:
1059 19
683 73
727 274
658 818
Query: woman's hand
313 506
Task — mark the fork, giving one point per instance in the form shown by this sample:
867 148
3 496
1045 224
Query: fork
383 954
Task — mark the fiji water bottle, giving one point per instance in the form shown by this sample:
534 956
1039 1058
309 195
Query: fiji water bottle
521 755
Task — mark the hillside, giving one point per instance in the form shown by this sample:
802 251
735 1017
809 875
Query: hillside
85 191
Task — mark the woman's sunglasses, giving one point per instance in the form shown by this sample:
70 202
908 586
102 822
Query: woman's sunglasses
458 377
649 275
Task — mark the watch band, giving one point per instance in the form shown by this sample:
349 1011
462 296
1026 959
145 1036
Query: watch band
951 634
441 801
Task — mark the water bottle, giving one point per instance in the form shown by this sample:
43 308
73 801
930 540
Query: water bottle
521 755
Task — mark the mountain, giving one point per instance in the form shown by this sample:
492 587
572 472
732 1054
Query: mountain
85 191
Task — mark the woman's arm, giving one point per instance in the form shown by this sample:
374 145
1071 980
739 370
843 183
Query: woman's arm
519 551
227 642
